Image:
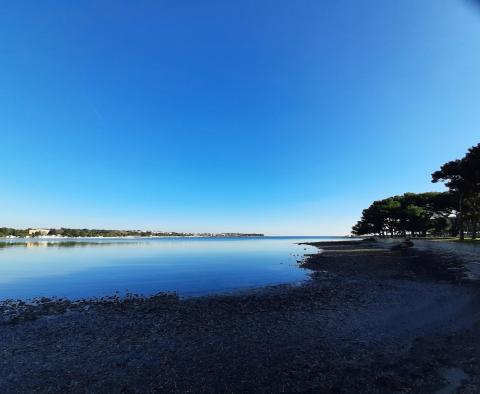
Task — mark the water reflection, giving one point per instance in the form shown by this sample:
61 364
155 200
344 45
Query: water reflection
63 244
190 266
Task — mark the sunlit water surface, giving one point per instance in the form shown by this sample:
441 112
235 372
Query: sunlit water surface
84 268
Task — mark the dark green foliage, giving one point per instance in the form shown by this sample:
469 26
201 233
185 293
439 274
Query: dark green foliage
462 177
75 233
452 213
412 214
5 232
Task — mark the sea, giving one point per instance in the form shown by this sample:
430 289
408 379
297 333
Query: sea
82 268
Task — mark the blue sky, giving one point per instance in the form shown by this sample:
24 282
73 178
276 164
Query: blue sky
272 116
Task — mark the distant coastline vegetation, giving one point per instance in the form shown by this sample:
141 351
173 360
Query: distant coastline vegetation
454 213
91 233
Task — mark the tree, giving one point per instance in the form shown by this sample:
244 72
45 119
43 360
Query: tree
462 177
453 174
411 213
472 213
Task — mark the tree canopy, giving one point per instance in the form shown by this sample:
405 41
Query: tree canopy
411 213
462 178
454 212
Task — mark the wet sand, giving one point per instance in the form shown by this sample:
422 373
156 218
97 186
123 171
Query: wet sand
371 319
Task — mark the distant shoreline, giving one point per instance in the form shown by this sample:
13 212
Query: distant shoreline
137 236
23 234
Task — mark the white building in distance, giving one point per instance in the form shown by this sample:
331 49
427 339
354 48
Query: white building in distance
38 231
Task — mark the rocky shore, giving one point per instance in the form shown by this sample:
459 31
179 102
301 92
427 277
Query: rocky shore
374 318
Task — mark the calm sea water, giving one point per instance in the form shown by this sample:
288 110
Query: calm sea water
190 266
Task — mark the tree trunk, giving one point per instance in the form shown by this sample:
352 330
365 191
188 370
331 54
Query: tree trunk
460 218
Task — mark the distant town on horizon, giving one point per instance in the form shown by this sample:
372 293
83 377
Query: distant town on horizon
7 232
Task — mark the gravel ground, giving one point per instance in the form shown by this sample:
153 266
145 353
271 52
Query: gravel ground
371 320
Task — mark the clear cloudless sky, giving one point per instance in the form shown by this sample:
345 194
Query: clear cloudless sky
275 116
